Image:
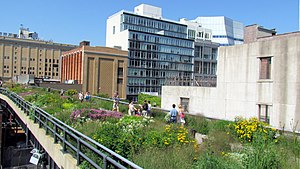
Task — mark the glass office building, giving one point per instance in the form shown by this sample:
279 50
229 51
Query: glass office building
158 49
225 31
205 52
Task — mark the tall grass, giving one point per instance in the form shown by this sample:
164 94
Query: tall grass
168 158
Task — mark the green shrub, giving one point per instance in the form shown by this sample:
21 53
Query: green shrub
261 156
71 92
220 125
68 106
209 160
198 123
252 130
154 100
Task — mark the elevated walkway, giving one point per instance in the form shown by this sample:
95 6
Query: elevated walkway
67 147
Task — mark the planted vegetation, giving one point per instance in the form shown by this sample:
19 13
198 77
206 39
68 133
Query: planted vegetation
153 143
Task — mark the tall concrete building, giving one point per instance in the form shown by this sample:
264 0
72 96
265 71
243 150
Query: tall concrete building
19 56
97 69
225 31
158 49
258 79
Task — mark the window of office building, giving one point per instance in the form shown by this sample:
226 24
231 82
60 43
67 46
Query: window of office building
264 113
214 53
197 67
200 34
197 51
114 29
213 68
265 68
191 34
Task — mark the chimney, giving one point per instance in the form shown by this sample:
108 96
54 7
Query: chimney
84 43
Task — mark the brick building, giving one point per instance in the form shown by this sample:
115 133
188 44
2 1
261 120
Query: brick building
98 69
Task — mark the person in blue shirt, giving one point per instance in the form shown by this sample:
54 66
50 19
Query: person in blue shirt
173 114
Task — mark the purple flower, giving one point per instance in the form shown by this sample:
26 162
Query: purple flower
94 114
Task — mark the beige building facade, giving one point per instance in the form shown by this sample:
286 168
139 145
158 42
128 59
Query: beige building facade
98 69
258 79
25 56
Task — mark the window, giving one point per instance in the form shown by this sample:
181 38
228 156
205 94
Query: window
114 29
264 113
265 68
185 103
120 71
120 81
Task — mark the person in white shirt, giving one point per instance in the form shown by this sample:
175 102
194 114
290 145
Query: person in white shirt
131 108
149 109
80 96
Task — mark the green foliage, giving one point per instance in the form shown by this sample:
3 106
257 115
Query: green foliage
123 137
31 98
17 88
85 165
198 123
68 106
71 92
31 113
105 95
46 99
260 156
180 157
172 135
63 115
210 160
156 145
252 130
154 100
219 125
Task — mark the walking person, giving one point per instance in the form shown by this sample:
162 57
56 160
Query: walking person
80 96
181 115
116 100
173 114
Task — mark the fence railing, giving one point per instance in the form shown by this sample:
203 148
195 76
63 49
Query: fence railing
77 144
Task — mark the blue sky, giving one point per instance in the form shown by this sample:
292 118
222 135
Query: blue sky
70 22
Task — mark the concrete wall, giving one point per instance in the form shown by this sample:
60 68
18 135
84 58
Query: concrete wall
239 90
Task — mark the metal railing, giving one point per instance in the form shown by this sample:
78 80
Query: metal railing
73 142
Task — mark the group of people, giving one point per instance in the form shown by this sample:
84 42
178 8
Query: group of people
87 96
177 115
141 110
